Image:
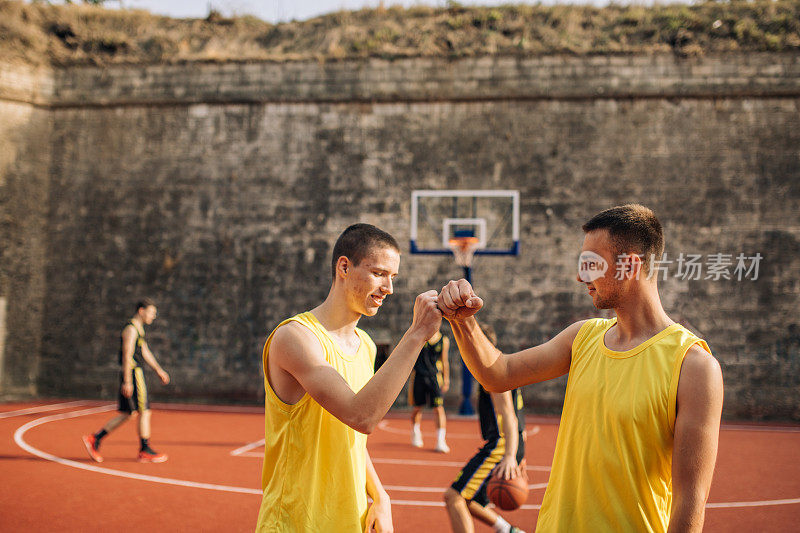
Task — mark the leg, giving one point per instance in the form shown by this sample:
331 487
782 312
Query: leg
116 422
458 512
484 514
416 432
416 415
144 424
441 445
441 419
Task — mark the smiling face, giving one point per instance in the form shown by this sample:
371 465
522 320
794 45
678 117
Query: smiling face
605 289
369 282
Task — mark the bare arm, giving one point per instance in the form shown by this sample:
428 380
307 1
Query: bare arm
128 346
150 359
297 354
445 364
497 371
696 437
504 406
379 515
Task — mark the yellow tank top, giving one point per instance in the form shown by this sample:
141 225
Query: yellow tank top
314 476
612 467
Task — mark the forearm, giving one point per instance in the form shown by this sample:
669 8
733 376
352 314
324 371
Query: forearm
376 397
511 434
688 513
484 361
150 359
127 370
374 487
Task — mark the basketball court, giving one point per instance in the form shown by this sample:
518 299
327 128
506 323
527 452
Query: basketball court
211 481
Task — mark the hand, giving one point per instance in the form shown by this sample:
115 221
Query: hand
379 516
507 468
427 316
445 385
164 377
458 301
127 389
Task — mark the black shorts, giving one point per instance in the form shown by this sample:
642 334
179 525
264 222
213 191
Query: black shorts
139 400
471 481
425 391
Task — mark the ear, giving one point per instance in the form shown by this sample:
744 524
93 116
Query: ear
634 266
629 266
343 266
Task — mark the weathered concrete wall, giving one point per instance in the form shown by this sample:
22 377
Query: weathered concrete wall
219 189
24 172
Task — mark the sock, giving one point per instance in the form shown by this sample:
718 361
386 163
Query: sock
501 526
145 445
97 436
440 434
416 429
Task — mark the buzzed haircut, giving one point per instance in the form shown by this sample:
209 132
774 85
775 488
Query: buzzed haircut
633 228
144 303
357 241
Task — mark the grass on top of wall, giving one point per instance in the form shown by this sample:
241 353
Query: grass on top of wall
41 33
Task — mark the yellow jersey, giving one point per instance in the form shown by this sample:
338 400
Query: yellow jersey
612 467
315 472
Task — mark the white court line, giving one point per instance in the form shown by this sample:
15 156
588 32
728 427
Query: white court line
243 451
401 488
384 425
19 439
43 408
417 462
20 433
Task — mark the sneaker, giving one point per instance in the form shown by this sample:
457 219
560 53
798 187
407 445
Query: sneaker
150 456
416 440
442 447
91 448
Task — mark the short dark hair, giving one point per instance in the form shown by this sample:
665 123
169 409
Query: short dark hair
633 228
144 303
357 241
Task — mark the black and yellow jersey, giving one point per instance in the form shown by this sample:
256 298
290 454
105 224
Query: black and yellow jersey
138 358
429 362
490 425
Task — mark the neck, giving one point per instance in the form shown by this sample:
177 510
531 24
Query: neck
138 322
641 313
335 315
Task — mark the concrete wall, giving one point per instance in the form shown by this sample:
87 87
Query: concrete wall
219 189
24 176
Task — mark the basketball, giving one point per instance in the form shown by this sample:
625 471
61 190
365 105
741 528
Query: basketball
508 494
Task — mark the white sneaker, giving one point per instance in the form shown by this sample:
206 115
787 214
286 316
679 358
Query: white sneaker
442 447
416 440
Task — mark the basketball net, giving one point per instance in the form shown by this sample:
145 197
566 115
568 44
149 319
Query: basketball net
463 249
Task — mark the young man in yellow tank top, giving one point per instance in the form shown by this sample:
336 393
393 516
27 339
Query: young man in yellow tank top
639 430
322 398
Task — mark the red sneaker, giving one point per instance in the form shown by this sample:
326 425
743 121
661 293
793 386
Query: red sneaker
91 448
151 457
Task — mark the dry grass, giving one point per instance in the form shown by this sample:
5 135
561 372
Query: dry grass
80 34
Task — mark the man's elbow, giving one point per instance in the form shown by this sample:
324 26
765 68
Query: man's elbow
365 425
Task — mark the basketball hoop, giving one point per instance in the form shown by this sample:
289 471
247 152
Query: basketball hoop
463 249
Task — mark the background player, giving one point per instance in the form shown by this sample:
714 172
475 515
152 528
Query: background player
503 455
639 430
133 398
429 381
322 397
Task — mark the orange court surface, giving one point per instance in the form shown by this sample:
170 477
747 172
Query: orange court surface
212 479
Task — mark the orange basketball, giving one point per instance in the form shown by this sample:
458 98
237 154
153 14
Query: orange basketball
508 494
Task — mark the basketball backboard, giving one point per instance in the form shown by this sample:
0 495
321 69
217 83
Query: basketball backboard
439 217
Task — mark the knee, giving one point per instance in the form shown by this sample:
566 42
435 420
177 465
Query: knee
452 497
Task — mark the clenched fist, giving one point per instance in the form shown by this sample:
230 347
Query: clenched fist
458 301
